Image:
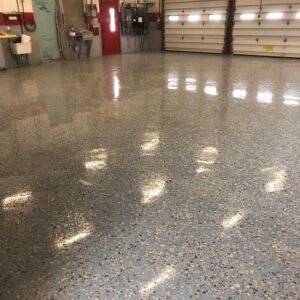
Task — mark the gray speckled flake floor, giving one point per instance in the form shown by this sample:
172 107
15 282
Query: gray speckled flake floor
150 176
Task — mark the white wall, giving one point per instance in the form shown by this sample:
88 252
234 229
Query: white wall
11 5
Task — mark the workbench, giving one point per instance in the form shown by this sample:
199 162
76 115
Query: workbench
4 35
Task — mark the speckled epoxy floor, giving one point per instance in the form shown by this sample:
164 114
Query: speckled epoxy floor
150 176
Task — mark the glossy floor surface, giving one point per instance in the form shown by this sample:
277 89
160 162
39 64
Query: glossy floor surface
150 176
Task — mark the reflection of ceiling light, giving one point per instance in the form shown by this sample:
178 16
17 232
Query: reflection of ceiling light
202 170
274 16
278 179
264 97
116 86
153 190
86 183
95 164
291 103
208 162
11 201
298 15
173 18
210 150
151 142
215 17
190 85
291 100
193 18
172 82
230 222
166 274
210 90
97 159
247 16
239 94
75 238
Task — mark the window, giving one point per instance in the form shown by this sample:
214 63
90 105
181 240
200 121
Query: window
193 18
247 16
215 17
173 18
112 20
274 16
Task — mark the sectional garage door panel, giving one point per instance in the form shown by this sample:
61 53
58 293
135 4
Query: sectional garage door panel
195 26
267 27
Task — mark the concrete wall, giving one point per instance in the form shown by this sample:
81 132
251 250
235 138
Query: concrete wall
74 15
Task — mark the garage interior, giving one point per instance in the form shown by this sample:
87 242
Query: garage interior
149 150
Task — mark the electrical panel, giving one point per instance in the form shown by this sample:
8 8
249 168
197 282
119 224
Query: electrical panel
134 18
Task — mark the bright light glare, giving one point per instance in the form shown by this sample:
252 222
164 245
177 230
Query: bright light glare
172 83
247 16
274 16
215 17
190 84
210 150
291 100
232 221
116 87
75 238
173 18
97 159
166 274
193 18
153 190
278 179
112 20
208 162
202 170
151 142
95 164
84 182
239 94
264 97
210 90
298 15
12 201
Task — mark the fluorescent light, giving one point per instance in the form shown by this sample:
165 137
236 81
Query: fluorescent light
215 17
193 18
298 15
240 94
247 16
264 97
274 16
173 18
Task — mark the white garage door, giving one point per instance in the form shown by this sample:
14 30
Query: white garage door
195 26
267 27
